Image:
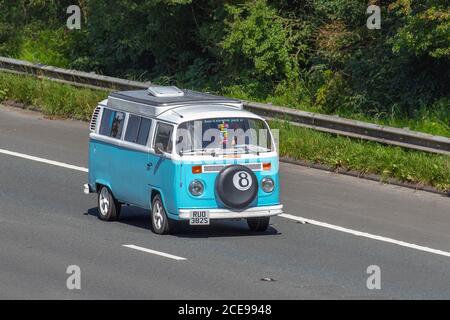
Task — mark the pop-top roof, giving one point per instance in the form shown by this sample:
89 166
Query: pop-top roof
165 92
157 100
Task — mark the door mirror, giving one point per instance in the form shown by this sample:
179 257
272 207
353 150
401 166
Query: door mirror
159 148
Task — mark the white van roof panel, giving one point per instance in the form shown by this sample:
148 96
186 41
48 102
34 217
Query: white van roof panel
147 103
199 112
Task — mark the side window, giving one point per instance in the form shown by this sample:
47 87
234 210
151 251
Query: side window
164 136
105 125
138 130
112 123
117 125
132 128
144 131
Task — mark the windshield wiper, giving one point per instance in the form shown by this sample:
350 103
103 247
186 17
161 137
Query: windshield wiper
195 151
235 150
238 149
253 148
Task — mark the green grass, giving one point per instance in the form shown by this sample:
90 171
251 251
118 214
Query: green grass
435 122
60 100
364 156
52 98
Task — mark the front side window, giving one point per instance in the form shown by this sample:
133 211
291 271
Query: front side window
164 137
112 123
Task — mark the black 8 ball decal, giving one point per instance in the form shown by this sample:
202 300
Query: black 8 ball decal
242 181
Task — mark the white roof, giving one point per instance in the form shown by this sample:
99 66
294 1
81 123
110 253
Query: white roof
199 112
168 104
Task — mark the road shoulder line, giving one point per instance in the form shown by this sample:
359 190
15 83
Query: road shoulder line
366 235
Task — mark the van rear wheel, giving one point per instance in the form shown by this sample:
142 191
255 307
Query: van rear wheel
108 206
259 224
160 222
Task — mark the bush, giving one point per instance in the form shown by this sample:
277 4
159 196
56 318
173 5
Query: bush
315 55
256 47
45 46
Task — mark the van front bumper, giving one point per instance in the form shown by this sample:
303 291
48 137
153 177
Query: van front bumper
264 211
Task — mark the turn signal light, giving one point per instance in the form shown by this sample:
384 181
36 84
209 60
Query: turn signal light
267 166
197 169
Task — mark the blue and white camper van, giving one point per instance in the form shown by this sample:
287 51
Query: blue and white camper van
183 155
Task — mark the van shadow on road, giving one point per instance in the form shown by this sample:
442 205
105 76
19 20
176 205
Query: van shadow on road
140 218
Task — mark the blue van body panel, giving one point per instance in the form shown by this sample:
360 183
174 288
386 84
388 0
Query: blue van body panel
126 173
123 170
162 178
166 202
208 199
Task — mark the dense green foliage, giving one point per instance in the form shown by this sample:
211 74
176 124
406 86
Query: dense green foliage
316 55
61 100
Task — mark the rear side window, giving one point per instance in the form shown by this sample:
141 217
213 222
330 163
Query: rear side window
138 130
164 136
112 123
105 125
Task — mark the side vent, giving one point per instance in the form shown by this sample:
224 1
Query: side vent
94 119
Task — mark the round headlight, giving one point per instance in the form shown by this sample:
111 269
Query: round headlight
196 188
267 184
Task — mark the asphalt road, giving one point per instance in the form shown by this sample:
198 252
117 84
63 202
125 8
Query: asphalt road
47 224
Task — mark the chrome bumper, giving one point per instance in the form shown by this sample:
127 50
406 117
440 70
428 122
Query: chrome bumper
87 189
264 211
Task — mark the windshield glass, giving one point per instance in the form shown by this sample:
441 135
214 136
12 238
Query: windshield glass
222 136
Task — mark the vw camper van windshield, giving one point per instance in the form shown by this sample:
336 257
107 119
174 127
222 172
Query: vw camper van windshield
223 136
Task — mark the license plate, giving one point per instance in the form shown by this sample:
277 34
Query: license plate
199 217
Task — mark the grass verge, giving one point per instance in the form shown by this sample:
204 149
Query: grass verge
60 100
364 156
52 98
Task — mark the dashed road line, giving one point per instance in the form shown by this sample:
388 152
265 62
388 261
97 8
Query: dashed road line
158 253
42 160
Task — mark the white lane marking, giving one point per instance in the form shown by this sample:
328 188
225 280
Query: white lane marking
366 235
158 253
42 160
284 215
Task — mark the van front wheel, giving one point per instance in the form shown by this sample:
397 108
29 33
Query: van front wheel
259 224
108 206
160 222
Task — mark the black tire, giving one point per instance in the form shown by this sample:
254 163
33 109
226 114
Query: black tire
258 224
108 206
160 222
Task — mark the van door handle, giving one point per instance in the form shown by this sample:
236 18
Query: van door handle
149 166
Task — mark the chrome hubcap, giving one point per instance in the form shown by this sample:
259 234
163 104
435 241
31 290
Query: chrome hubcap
104 202
158 217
